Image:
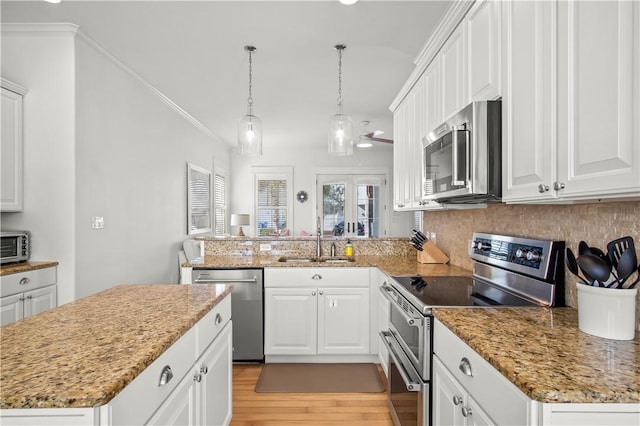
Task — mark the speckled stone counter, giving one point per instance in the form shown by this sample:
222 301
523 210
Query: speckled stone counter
84 353
391 265
543 353
14 268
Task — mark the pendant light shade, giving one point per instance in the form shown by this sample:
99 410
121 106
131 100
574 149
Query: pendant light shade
250 126
340 126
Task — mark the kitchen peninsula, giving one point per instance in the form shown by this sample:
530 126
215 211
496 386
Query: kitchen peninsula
118 357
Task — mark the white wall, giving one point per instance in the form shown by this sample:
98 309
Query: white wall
304 161
42 60
120 153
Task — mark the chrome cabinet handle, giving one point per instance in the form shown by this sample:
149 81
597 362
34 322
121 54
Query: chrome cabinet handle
320 292
316 277
465 367
543 188
313 293
204 370
557 185
24 281
165 376
218 320
457 400
466 411
197 378
29 297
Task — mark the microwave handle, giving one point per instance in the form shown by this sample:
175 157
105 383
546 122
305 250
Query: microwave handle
455 178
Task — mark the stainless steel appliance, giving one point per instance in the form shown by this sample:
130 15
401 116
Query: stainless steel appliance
507 271
461 160
247 308
16 246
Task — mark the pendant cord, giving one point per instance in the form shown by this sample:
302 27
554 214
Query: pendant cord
250 99
339 76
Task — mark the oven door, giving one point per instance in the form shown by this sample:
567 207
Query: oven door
408 395
446 165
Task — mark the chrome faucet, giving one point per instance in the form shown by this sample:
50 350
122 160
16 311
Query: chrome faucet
318 241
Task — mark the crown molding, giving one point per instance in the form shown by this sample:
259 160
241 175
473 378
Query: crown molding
45 28
449 22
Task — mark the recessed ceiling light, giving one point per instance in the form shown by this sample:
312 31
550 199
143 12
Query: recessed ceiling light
348 2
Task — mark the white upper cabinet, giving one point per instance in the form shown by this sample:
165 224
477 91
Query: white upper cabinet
528 103
571 101
453 75
482 31
11 147
598 99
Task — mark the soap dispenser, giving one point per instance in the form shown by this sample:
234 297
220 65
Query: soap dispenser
348 249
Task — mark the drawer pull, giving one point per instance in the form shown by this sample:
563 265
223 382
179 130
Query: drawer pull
218 320
165 376
24 281
465 367
204 370
316 277
457 400
466 411
197 378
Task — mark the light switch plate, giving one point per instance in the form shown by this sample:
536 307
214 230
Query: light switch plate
265 247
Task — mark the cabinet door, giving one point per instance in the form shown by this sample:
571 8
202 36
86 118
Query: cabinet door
599 134
453 75
39 300
433 95
11 309
483 50
448 397
403 117
475 415
528 102
343 321
291 320
179 407
415 146
214 390
11 151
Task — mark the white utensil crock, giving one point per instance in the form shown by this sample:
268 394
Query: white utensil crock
607 312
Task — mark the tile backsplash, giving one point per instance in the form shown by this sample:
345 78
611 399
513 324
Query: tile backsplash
597 224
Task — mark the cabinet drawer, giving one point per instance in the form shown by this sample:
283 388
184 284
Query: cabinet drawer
316 277
505 403
25 281
141 398
213 322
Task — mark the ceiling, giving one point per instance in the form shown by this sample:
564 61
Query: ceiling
193 52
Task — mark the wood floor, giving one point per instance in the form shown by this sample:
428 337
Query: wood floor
308 409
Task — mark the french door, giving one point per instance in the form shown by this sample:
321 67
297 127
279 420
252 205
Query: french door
351 205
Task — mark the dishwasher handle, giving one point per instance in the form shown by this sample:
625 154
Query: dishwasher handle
219 280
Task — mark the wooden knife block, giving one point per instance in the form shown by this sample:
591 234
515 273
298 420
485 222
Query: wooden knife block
431 254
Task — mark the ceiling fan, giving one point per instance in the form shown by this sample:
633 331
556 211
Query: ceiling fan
366 138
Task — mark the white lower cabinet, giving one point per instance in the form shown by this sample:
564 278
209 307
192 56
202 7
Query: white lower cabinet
27 293
330 318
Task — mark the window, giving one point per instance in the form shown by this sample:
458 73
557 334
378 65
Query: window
273 192
198 199
220 204
351 205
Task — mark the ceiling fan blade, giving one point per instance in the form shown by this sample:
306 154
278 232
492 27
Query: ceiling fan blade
374 134
382 140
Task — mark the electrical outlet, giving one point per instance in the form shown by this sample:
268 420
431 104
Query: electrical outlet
97 222
265 247
432 237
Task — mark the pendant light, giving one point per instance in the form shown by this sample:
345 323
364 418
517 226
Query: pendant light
250 126
340 128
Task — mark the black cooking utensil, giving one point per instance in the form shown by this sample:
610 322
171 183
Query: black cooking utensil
616 247
583 248
593 266
627 264
573 266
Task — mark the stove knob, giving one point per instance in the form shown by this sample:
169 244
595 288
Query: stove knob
481 246
474 244
533 256
520 253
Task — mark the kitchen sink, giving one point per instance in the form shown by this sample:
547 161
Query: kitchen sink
335 259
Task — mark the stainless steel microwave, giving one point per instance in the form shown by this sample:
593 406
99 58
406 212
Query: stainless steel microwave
461 158
15 246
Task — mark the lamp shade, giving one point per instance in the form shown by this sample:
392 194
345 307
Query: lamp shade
250 135
340 135
240 219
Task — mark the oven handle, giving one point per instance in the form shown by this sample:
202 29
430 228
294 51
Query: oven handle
414 322
412 386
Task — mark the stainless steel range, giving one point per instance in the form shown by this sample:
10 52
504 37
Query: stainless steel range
507 271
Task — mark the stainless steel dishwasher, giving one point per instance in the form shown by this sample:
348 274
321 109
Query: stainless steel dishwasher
247 308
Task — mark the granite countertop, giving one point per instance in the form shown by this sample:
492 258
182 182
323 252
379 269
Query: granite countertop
391 265
14 268
543 353
84 353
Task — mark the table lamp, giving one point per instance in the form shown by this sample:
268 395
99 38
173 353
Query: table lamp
240 220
